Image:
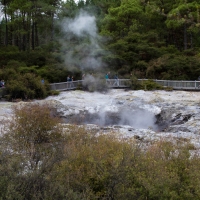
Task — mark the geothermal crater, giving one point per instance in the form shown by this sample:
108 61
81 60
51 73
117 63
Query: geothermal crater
157 111
138 119
148 115
135 118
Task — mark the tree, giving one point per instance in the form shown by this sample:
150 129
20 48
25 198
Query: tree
183 19
130 38
29 23
5 4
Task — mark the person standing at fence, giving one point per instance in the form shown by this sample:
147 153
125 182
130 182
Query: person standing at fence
68 81
72 79
107 77
68 78
116 83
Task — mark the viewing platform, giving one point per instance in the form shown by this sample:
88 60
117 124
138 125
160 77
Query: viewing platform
126 83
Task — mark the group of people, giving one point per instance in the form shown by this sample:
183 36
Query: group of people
107 77
116 82
2 83
70 78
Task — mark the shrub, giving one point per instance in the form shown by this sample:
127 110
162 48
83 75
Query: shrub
135 84
168 88
151 85
15 64
27 86
53 92
9 74
145 84
31 144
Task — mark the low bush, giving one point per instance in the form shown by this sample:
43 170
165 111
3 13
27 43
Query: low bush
27 86
150 85
30 145
135 83
53 93
145 84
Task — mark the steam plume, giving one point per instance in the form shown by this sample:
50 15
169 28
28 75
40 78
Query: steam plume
81 42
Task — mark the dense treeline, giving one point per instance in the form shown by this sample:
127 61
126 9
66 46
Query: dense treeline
40 160
53 39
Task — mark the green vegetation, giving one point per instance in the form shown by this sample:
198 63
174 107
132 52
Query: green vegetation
146 84
41 160
149 39
27 86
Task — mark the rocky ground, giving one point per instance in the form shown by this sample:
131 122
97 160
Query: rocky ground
144 115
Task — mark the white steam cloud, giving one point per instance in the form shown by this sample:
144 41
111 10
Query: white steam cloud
82 25
82 42
138 119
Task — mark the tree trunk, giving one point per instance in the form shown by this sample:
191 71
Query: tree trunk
33 35
185 36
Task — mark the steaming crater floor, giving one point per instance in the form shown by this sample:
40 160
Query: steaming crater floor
145 115
141 114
